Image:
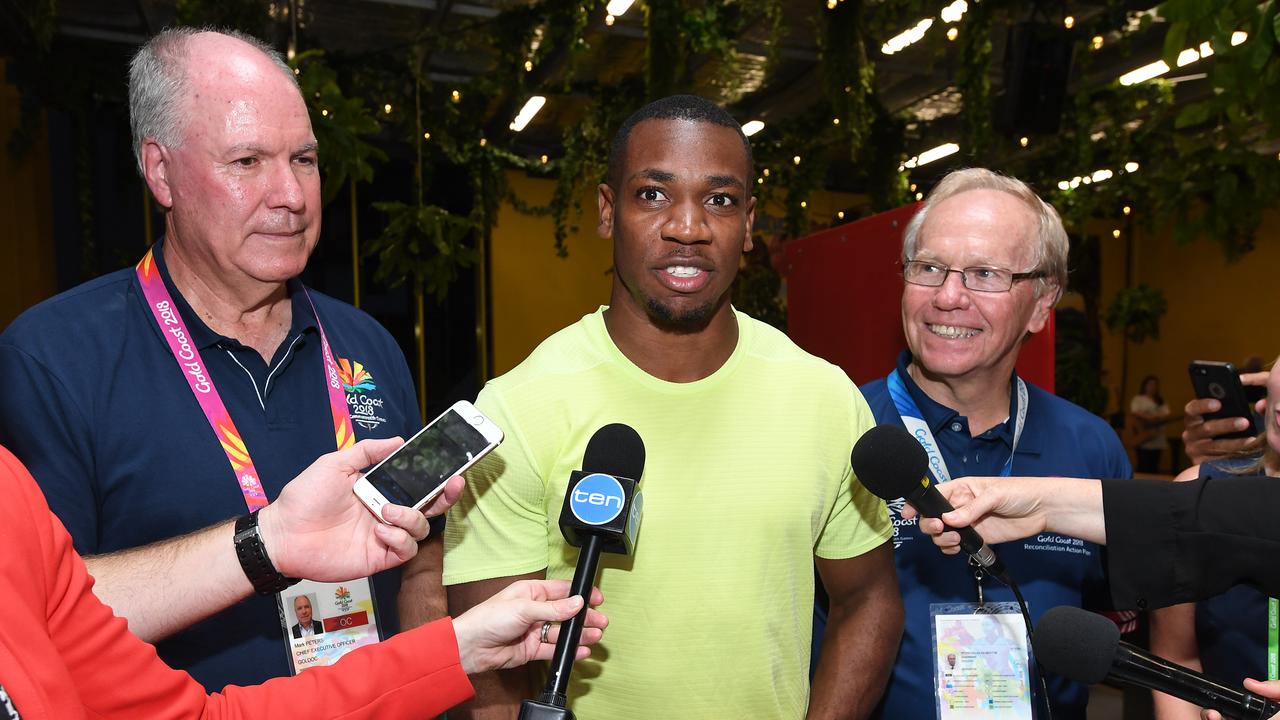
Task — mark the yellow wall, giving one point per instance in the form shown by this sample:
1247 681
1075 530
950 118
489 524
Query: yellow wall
534 292
26 216
1217 311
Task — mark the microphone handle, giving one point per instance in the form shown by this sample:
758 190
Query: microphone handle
584 577
930 503
1139 668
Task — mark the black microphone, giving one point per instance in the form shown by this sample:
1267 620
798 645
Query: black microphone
891 464
601 513
1086 647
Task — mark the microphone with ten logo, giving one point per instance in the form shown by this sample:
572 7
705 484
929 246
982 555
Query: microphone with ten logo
891 464
1086 647
601 513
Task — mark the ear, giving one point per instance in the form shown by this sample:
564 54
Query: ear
1043 306
747 242
155 171
604 201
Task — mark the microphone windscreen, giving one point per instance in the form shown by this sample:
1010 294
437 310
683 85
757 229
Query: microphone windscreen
1076 644
889 461
615 449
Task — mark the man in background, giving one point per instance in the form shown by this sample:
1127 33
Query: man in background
985 261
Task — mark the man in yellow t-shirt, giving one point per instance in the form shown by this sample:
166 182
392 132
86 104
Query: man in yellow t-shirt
746 482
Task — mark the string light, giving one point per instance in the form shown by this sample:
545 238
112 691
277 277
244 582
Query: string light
544 159
831 4
913 187
751 127
835 121
1115 233
426 136
919 196
1023 141
1069 22
455 96
528 66
608 20
766 172
324 113
1097 42
952 34
759 181
387 108
840 215
796 159
483 142
531 108
804 204
1126 210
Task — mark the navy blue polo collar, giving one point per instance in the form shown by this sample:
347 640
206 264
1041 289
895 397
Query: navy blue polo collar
303 317
937 416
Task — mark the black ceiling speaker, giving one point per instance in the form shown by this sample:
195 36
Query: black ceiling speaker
1037 66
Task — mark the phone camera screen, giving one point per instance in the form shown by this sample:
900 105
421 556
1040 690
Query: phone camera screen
432 457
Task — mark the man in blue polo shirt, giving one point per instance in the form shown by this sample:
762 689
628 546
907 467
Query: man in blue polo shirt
162 399
985 261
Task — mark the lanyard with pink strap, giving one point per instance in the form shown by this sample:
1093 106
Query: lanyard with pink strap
194 369
360 628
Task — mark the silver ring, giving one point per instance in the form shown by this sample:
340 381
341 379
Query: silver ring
546 628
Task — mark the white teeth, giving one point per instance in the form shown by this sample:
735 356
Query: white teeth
683 271
951 331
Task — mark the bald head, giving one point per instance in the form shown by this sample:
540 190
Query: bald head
175 68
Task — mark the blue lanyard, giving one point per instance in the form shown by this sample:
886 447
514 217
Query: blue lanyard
914 421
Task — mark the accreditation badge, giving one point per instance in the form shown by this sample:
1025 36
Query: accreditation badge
981 662
324 621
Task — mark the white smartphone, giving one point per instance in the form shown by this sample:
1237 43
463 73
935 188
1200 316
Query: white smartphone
415 473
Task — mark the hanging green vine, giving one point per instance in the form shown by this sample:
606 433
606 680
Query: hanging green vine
341 125
848 77
973 80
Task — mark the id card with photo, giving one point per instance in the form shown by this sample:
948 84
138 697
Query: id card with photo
981 662
324 621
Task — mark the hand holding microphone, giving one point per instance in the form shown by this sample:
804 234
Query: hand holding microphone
601 513
891 464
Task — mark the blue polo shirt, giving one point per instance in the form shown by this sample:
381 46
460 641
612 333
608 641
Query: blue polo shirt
1059 439
98 409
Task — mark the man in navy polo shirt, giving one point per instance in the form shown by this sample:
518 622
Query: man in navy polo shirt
110 396
985 261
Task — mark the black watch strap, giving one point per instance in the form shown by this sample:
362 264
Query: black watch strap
252 555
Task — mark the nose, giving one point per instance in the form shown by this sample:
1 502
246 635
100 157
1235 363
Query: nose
285 189
952 294
685 224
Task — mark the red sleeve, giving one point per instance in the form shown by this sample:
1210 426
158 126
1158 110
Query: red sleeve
83 660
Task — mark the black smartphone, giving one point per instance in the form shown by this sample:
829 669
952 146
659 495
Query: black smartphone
1220 381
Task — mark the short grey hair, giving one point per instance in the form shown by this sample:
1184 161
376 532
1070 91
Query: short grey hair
1050 245
158 83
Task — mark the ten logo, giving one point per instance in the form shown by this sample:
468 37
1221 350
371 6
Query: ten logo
597 499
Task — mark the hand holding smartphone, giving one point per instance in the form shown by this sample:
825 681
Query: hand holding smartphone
417 472
1221 382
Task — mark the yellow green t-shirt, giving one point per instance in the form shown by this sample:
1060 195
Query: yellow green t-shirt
746 479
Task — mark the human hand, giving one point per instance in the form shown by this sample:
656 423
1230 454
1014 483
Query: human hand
1269 689
319 530
505 631
1200 437
999 508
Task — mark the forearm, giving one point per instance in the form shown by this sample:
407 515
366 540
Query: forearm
422 595
1073 506
498 694
167 586
864 629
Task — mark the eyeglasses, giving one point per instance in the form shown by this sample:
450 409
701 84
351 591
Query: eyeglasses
981 279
